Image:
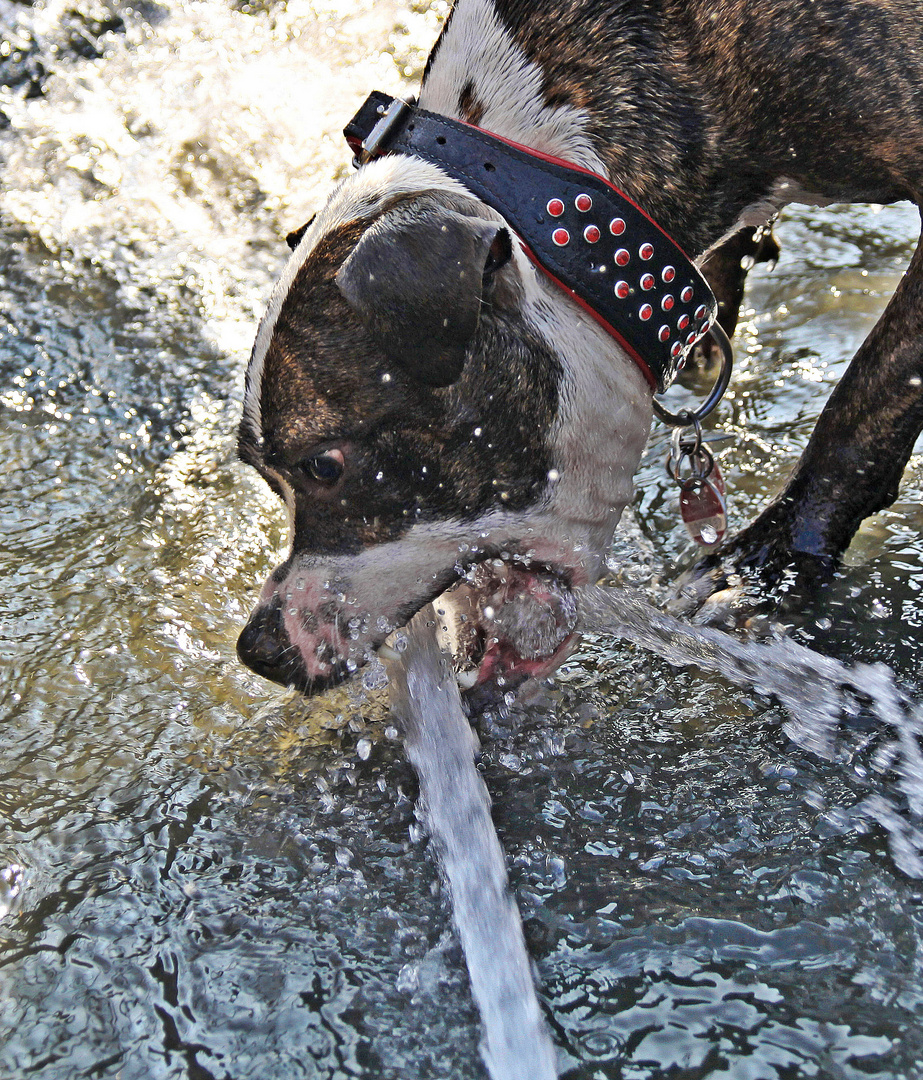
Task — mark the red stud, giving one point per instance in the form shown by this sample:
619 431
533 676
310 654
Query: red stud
667 303
591 234
616 226
647 251
684 322
622 257
701 311
555 207
647 281
692 339
676 350
686 294
664 333
646 312
669 273
622 289
561 237
583 203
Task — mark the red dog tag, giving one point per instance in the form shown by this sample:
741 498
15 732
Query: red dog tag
703 507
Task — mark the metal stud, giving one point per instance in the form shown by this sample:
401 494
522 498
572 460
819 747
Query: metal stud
664 333
622 257
561 237
701 311
646 312
591 234
583 203
555 207
647 251
669 273
683 322
622 289
667 303
676 350
647 281
686 294
617 226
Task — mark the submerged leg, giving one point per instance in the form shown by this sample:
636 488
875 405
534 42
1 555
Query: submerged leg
851 467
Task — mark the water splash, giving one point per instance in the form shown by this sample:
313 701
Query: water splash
440 745
817 691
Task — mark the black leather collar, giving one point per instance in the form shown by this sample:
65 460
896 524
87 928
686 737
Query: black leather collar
582 232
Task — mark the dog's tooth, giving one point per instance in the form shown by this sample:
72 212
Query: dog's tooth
467 679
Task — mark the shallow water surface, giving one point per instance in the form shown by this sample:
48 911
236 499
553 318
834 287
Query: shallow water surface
202 876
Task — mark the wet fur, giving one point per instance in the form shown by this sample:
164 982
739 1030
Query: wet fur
711 114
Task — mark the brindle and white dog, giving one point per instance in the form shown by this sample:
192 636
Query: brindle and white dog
503 480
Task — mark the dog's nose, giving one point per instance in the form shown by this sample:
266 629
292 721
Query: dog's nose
265 648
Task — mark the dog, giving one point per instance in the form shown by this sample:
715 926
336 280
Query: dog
444 417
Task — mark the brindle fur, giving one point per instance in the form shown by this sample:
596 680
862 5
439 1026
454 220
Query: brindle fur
711 115
701 110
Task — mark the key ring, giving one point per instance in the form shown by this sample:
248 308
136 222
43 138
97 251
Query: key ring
687 418
687 446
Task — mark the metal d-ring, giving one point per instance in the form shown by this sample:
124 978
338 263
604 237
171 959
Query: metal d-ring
693 417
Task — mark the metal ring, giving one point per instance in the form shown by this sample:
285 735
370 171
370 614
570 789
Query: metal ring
691 417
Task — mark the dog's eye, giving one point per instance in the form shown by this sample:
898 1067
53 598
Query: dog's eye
325 468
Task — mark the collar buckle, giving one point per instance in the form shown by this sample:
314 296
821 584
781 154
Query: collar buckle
390 118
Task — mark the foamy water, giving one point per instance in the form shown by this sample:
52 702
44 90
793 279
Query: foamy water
818 692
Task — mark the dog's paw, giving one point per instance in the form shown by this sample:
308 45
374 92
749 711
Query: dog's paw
711 593
745 581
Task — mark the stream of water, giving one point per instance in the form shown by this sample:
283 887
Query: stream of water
202 876
456 808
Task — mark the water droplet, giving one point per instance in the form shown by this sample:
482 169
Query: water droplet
364 749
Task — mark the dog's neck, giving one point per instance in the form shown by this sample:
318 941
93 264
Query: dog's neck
608 86
480 74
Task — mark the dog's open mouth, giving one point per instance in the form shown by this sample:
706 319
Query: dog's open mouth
507 622
505 619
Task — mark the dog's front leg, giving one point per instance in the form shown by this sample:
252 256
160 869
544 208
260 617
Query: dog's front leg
851 468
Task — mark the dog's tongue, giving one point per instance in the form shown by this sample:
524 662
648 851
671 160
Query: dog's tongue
518 623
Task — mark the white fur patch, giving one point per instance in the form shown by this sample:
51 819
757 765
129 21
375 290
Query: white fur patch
603 421
477 49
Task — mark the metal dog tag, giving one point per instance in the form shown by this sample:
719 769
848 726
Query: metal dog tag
703 507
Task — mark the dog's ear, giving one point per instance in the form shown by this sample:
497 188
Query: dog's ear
294 238
416 282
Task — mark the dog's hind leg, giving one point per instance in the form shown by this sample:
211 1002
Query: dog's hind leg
851 468
726 268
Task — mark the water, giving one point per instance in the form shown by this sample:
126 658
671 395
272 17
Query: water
818 692
201 876
456 809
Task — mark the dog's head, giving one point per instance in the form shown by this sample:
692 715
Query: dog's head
437 419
